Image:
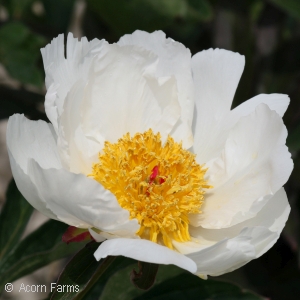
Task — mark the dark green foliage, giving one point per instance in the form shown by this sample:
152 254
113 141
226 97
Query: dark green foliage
13 219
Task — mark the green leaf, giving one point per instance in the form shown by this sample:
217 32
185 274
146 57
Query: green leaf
38 249
188 286
13 219
292 7
81 273
20 53
145 277
118 265
119 286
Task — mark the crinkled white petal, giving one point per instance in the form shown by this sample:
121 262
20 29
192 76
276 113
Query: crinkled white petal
26 140
174 59
80 201
62 73
253 166
144 250
216 74
120 94
123 95
218 251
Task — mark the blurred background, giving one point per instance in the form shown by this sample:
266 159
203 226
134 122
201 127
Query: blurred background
267 32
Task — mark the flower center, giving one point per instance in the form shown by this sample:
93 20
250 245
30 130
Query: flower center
159 185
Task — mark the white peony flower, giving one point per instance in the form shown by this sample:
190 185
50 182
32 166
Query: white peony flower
144 151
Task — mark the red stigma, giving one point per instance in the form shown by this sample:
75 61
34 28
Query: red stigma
153 174
152 178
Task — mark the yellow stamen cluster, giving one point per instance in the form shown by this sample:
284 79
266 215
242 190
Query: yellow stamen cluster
161 201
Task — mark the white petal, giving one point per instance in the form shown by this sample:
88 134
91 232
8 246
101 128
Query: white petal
28 189
226 255
272 216
62 73
77 150
219 132
144 250
80 201
237 245
173 59
32 139
277 102
122 95
254 165
25 140
216 75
